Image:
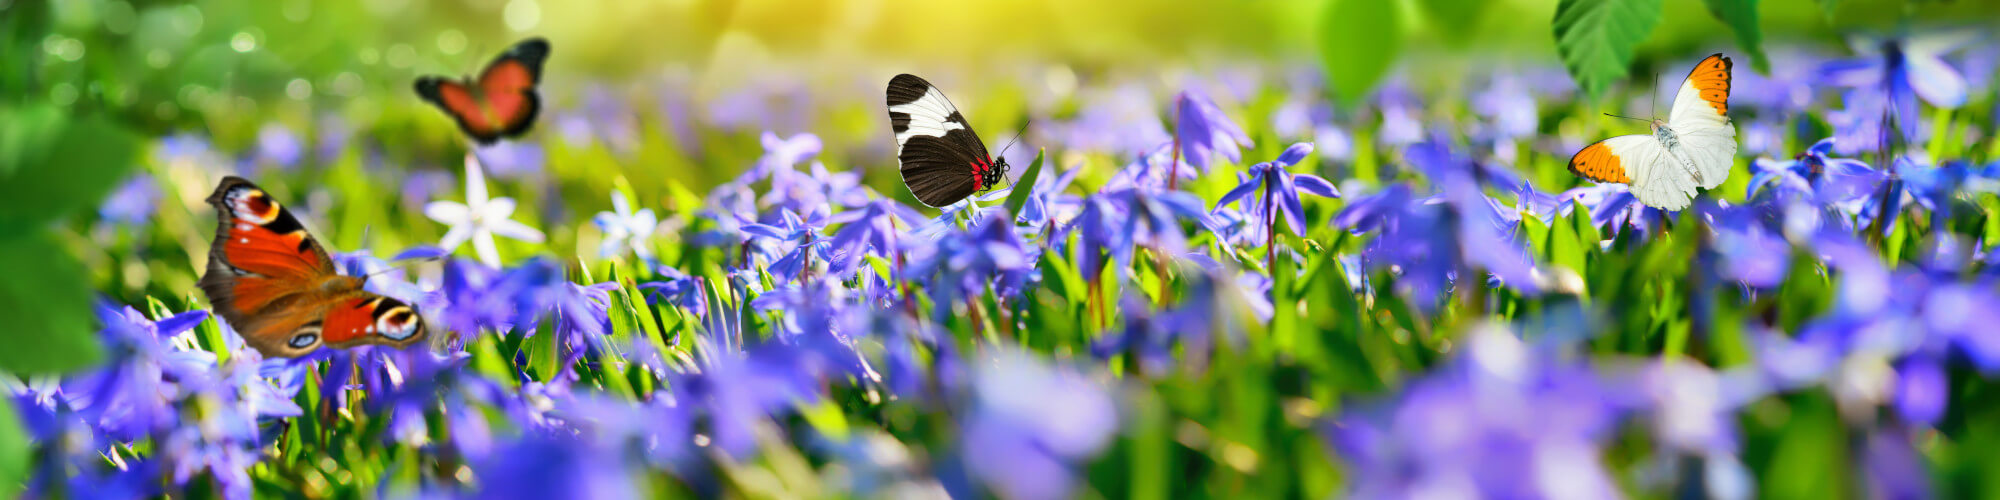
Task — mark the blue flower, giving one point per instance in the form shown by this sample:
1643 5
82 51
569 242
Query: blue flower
133 395
872 228
624 227
581 312
1815 176
512 159
1280 190
1032 426
1119 120
1885 81
680 289
277 145
799 238
782 154
1541 424
132 203
1203 132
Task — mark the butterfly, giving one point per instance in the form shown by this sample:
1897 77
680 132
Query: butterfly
1694 146
942 159
279 288
502 102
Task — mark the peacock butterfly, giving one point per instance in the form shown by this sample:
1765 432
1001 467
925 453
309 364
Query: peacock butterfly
281 291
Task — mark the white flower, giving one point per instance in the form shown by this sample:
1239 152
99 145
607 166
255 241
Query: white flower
622 226
479 218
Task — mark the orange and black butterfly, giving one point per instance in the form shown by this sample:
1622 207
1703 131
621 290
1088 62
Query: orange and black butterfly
502 102
279 288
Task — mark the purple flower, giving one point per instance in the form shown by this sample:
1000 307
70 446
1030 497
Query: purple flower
800 239
1280 190
1509 109
1032 426
134 394
1748 251
1115 223
782 154
1884 82
544 465
1118 120
132 203
511 159
1203 132
581 312
963 264
1541 423
679 289
1815 176
277 145
873 228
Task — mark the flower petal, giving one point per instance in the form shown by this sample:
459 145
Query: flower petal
515 230
448 212
1316 185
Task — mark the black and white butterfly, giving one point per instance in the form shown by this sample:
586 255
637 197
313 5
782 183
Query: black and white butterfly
942 159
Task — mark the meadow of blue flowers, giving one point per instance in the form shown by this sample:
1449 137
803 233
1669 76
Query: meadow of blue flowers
1217 284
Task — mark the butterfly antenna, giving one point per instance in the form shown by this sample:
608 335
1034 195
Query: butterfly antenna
1628 118
1017 137
1010 144
1655 104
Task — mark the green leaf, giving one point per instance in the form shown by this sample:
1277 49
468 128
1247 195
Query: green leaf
1025 186
1741 16
13 447
1596 37
46 298
1455 21
52 163
1359 41
1829 7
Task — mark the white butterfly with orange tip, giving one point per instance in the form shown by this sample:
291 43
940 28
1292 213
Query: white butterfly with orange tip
1694 146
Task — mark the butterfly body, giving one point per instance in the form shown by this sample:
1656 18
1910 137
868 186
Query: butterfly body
501 102
1695 147
942 159
280 289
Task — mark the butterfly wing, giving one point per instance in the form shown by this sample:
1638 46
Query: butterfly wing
509 86
942 159
457 99
1700 120
1656 179
277 286
366 318
502 102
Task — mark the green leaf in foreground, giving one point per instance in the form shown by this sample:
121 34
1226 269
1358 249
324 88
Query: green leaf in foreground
1741 16
13 446
48 303
1359 41
1025 186
1596 37
52 163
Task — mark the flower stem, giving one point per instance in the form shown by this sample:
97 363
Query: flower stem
1271 230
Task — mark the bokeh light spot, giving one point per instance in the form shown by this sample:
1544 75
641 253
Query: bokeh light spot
401 55
119 18
347 84
244 41
62 94
522 15
299 89
451 41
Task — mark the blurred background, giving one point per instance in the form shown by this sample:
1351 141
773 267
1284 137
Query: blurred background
228 69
